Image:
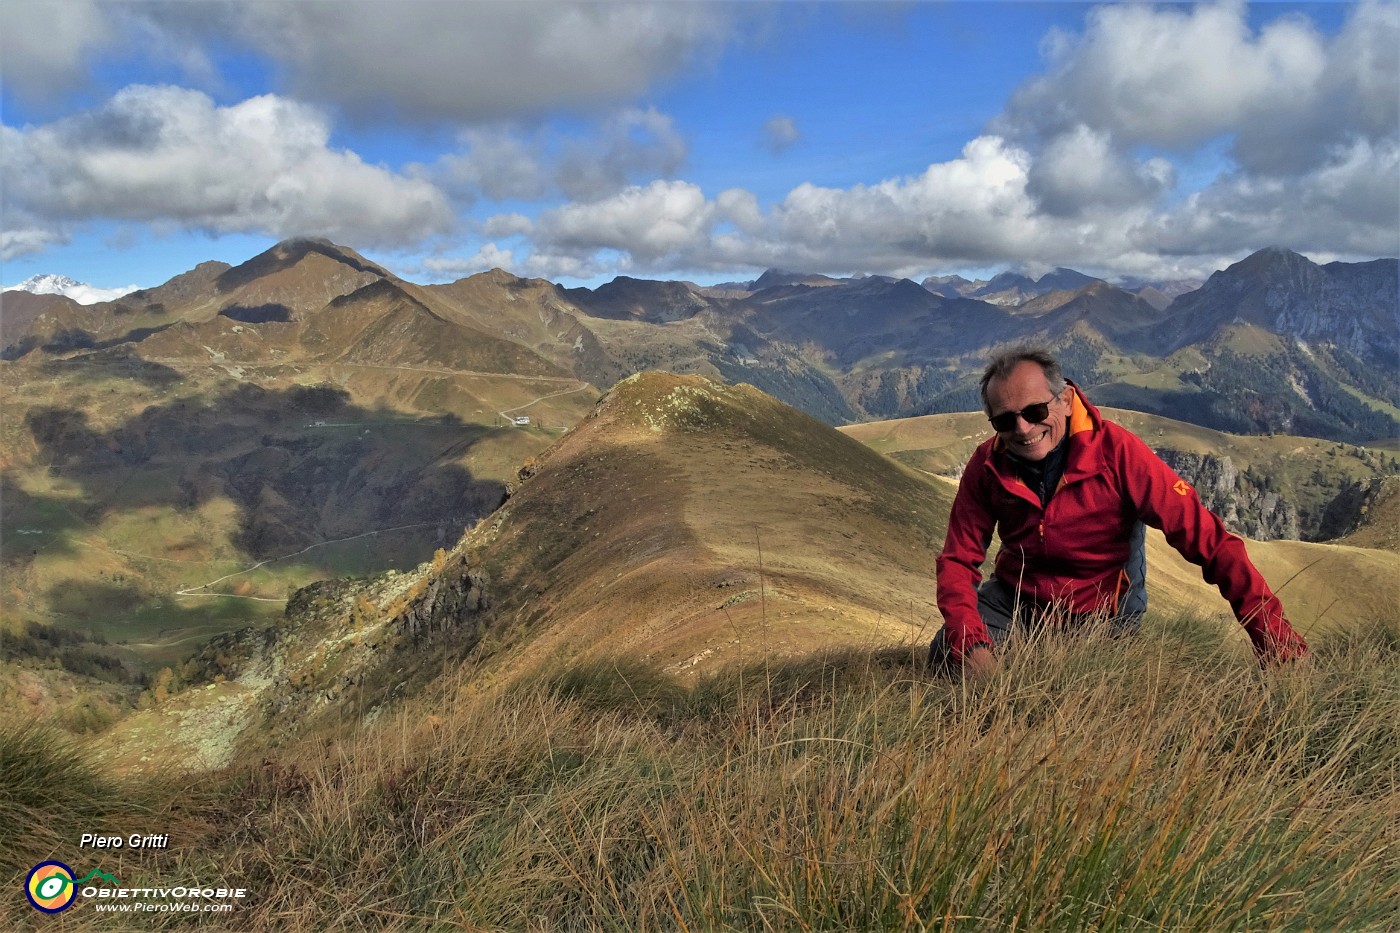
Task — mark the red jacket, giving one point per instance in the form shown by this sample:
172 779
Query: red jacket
1073 551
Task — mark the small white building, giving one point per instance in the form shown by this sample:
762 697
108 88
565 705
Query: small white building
521 419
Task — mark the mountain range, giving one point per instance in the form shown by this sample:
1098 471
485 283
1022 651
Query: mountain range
1274 342
178 461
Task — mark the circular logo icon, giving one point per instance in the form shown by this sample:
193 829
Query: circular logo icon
50 887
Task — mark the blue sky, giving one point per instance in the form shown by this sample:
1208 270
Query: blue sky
708 141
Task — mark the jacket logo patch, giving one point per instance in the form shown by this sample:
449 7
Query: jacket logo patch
1182 488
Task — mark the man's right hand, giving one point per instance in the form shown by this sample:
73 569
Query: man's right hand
979 663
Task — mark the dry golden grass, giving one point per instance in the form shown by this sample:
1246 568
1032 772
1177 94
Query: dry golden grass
1157 783
695 524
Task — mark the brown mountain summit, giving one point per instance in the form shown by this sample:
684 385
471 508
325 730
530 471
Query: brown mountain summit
694 522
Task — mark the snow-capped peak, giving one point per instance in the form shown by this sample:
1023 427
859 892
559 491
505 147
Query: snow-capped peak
46 285
80 292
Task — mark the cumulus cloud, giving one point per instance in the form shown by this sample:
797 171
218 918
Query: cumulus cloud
983 208
16 241
489 257
506 225
469 62
660 221
634 142
1347 206
1177 78
505 163
169 156
49 48
1077 169
45 47
972 209
1082 168
475 62
779 134
494 162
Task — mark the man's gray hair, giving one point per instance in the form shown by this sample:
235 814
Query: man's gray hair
1001 365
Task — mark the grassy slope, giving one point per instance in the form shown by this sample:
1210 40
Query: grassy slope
701 523
590 788
696 525
1084 786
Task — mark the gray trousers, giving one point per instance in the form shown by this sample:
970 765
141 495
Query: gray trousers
1003 611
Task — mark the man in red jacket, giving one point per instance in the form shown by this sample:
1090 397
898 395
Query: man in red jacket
1065 490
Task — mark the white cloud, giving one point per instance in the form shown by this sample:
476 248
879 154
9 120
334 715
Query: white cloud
972 208
975 208
88 295
780 133
504 163
494 162
44 46
395 60
1081 168
168 156
740 208
490 256
505 225
16 240
1348 207
1171 76
1180 77
980 209
481 61
651 223
634 144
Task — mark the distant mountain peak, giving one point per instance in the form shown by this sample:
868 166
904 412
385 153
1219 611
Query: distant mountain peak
81 292
775 278
291 253
47 284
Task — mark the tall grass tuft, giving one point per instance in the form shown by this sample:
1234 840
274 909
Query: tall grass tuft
47 786
1158 783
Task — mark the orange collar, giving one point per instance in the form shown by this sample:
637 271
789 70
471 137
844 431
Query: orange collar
1079 417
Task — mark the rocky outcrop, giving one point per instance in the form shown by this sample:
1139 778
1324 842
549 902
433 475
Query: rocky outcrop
452 601
1363 505
346 639
1243 502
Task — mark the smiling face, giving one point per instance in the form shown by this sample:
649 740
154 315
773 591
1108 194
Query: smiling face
1024 387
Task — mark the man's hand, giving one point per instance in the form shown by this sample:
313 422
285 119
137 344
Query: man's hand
979 663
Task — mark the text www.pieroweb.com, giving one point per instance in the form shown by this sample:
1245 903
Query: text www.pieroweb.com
123 907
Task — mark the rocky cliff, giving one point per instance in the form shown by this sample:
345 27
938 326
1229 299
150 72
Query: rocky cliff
1243 501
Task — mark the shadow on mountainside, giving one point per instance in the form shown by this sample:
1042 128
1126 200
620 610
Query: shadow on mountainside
101 366
74 338
31 523
302 467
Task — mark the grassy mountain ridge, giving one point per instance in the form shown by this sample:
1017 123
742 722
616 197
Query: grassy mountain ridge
686 525
687 522
658 505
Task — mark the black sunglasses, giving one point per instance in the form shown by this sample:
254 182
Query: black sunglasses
1034 414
